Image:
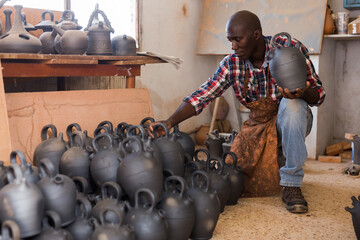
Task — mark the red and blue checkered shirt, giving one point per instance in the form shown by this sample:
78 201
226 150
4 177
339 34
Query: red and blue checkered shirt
231 72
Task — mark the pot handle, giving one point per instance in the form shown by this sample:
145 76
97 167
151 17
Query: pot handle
81 135
83 208
113 186
176 179
107 124
106 20
142 123
149 193
220 163
69 128
45 130
51 14
65 15
20 154
196 153
120 129
14 173
81 184
280 34
130 139
99 128
234 157
10 230
52 219
131 131
97 137
47 168
205 175
160 125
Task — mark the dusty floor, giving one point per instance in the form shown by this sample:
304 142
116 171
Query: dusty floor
327 191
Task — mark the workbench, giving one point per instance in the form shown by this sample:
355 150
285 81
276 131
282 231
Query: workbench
22 114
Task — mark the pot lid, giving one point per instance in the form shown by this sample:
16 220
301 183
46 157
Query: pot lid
68 21
46 24
101 26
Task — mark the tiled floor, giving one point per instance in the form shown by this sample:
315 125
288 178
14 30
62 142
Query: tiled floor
327 191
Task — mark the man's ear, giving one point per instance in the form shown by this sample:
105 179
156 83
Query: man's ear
257 34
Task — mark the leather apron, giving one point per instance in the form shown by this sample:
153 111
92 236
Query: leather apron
256 147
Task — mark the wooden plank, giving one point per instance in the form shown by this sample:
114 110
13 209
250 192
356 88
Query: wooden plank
66 70
70 61
346 155
23 56
5 141
334 149
29 112
129 62
332 159
346 145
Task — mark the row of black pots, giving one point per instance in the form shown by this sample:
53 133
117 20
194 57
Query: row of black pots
132 149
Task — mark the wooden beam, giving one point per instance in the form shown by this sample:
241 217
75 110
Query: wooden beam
66 70
69 61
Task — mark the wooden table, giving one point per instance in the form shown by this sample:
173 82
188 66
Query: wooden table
39 65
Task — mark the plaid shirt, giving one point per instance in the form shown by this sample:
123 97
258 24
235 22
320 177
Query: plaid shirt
231 72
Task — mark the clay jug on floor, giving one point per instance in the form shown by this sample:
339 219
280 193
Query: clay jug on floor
139 169
207 206
59 192
24 202
148 222
52 148
178 209
185 140
18 40
236 177
30 173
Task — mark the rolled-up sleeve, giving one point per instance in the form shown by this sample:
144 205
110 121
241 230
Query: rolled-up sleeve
212 88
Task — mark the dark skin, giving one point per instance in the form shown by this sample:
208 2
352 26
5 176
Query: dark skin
244 32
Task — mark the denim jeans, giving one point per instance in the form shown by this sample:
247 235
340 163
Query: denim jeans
293 123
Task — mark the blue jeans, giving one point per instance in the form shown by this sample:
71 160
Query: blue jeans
293 123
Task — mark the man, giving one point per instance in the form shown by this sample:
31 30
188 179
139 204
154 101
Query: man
278 118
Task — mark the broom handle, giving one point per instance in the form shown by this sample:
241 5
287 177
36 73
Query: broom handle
217 100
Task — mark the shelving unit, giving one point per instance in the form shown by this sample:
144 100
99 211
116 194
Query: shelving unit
342 37
31 110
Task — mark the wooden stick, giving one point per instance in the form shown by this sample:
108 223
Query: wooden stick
217 100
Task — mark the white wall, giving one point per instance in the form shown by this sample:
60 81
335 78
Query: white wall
171 28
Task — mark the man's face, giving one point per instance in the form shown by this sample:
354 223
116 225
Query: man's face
242 40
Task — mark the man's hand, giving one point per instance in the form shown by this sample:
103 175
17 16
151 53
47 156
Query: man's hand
299 93
160 131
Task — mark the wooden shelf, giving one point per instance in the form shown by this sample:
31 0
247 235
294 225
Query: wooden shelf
342 37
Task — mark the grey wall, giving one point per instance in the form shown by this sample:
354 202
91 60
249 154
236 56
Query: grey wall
171 28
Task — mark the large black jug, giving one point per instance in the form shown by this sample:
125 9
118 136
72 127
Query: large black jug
236 177
178 208
51 148
287 64
148 222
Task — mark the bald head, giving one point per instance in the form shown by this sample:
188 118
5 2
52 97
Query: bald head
245 19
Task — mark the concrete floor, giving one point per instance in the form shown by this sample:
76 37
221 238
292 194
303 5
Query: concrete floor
327 191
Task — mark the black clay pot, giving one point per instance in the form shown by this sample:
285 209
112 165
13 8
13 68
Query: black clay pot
52 148
172 151
202 161
110 231
59 192
207 206
75 162
355 214
30 173
219 180
179 209
22 202
111 194
148 222
3 178
139 169
81 228
105 161
214 143
52 228
236 177
185 140
287 64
